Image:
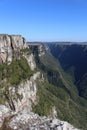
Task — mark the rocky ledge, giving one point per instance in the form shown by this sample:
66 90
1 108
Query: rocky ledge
10 46
25 120
16 114
32 121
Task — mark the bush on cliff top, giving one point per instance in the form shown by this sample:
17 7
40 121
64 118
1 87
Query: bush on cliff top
16 71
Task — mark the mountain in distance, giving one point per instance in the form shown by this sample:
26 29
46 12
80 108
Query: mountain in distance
63 87
73 61
35 90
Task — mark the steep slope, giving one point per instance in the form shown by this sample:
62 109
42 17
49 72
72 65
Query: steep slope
73 60
10 46
58 89
17 77
25 89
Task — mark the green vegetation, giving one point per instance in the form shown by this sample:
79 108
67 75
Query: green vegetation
59 90
82 86
13 74
44 105
67 109
27 51
73 61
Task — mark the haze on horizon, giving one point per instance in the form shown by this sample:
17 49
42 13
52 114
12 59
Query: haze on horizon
45 20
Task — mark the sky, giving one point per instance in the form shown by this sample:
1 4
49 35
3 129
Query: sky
45 20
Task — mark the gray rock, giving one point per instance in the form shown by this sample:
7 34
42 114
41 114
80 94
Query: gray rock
32 121
31 61
24 94
10 46
18 115
4 112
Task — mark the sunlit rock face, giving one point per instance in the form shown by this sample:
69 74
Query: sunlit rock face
17 112
10 46
25 120
24 94
21 98
31 61
4 112
42 49
32 121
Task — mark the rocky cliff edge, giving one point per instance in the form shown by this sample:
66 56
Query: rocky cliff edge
10 46
17 113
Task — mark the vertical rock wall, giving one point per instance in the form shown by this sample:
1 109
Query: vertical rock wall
10 46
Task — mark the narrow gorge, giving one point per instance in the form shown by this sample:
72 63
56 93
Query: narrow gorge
34 95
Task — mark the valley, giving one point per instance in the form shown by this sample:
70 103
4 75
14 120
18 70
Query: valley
36 91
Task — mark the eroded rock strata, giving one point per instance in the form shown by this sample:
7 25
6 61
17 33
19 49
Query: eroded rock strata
16 113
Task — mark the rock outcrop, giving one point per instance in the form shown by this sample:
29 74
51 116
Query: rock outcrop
16 114
4 112
21 97
41 48
10 46
24 94
30 60
25 120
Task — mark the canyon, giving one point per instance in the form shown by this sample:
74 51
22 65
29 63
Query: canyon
28 96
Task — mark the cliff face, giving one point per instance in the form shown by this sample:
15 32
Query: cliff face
20 101
10 46
30 60
72 58
24 94
19 93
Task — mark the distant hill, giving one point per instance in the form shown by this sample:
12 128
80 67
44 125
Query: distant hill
73 59
39 90
58 88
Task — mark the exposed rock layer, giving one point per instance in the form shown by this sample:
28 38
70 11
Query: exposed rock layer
18 113
31 121
24 94
10 46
